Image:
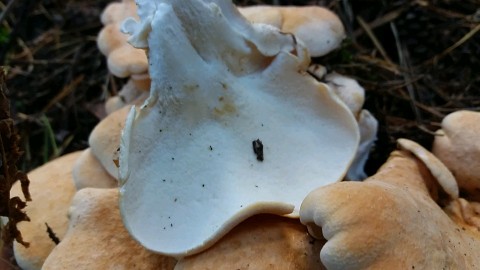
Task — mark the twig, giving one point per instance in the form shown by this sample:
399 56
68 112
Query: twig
6 10
65 91
379 62
42 62
348 17
374 39
457 44
381 21
405 64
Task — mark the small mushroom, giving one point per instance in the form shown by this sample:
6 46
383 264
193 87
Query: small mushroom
219 83
457 145
104 139
123 60
318 28
392 220
128 95
260 242
52 189
88 172
97 239
348 90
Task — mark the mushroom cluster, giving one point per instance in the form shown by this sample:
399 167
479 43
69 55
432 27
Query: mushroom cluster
233 159
319 30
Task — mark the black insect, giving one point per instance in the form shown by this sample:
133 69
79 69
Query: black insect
258 149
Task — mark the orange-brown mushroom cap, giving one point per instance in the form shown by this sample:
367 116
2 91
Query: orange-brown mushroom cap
389 221
457 145
96 238
260 242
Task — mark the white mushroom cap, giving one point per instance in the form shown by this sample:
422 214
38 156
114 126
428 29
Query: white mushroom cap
51 188
457 145
348 90
368 125
187 166
318 28
96 238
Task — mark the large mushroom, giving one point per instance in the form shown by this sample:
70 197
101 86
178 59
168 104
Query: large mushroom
393 219
188 170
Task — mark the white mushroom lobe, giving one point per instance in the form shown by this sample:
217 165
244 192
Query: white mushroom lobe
187 166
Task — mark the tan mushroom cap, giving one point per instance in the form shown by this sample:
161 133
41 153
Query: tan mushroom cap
105 139
52 189
389 221
96 238
319 29
110 38
439 171
123 60
126 60
458 146
117 11
261 242
89 172
465 213
131 93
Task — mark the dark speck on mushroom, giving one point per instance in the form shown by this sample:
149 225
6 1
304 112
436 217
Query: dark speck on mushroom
258 149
